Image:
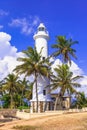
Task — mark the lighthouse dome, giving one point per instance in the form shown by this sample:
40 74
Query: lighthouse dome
41 27
41 32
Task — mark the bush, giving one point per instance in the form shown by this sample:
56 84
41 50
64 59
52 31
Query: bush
23 107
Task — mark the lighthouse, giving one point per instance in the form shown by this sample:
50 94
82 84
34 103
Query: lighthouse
41 38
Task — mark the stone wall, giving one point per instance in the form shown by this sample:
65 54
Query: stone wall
8 112
42 106
24 115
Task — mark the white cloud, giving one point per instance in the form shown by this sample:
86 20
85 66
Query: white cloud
26 25
1 26
56 63
8 55
3 13
5 47
76 69
35 21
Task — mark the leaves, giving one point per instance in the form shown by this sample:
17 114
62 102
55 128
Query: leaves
34 64
81 100
64 48
11 86
64 79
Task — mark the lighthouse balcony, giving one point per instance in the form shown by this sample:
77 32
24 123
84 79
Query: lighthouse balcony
41 34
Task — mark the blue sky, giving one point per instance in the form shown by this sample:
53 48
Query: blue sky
20 18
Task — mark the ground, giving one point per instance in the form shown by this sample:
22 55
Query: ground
75 121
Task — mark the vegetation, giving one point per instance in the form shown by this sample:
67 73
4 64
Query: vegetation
24 84
33 64
64 48
6 99
64 77
65 81
14 90
1 85
10 86
81 101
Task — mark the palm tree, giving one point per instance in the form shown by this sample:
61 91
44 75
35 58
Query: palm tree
1 87
23 88
1 91
28 92
81 100
11 86
64 48
33 63
64 80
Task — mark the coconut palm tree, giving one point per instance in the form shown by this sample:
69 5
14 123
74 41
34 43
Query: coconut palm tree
32 63
1 92
11 86
28 92
1 87
81 100
24 84
64 80
64 48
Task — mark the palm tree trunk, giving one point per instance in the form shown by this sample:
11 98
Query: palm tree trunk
61 94
36 92
58 101
55 106
22 99
11 103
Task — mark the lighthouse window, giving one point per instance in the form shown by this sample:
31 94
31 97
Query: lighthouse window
41 29
44 92
43 58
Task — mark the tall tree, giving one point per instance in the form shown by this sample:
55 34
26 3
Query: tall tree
81 100
1 87
23 88
64 80
1 92
10 86
28 92
64 48
33 63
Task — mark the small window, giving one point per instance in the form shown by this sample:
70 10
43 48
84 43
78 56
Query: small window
43 58
41 29
44 92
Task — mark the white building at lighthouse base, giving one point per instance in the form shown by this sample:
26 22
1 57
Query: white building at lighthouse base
44 98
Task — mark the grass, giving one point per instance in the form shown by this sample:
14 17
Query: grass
27 127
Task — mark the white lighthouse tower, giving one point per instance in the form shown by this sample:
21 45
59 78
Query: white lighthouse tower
44 99
41 38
